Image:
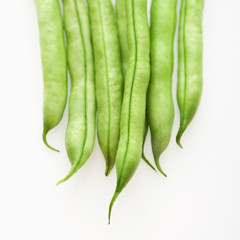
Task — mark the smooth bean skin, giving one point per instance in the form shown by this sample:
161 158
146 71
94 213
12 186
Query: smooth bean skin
54 63
134 100
160 107
121 15
108 79
80 134
189 87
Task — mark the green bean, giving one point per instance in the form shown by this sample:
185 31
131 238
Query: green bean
80 132
54 63
134 100
189 62
122 33
160 106
108 77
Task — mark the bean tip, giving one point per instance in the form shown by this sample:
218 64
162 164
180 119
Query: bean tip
59 182
111 205
44 136
159 168
178 138
147 162
107 171
109 167
72 171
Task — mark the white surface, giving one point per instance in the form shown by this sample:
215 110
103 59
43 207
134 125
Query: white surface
199 200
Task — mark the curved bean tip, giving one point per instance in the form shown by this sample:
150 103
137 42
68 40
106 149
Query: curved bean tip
70 174
159 168
111 205
63 180
179 136
44 136
58 183
147 162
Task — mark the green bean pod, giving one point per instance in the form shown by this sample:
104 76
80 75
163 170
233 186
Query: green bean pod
80 134
54 63
108 77
134 100
121 15
189 87
160 107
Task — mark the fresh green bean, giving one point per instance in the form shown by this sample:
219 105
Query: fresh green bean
189 62
135 91
80 132
160 108
54 63
122 33
108 77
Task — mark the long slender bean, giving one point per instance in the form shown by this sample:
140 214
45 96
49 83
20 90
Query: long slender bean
135 91
189 62
121 14
108 77
160 108
80 132
54 63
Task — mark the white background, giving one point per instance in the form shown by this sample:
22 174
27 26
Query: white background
199 200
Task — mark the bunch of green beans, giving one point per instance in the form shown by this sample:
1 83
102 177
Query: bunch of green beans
121 70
